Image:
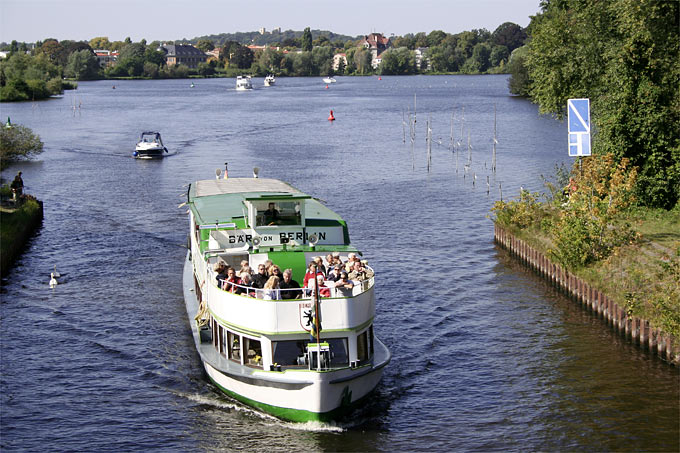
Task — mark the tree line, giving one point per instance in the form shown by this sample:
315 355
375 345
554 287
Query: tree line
37 71
624 56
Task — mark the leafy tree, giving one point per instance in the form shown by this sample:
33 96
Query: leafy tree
17 143
205 45
398 61
509 35
323 60
519 82
306 40
622 55
54 51
101 42
82 65
243 57
499 54
435 38
362 61
479 61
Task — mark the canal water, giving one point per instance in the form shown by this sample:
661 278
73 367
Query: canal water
486 356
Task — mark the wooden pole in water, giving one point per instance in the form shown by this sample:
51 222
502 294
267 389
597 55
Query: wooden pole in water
495 141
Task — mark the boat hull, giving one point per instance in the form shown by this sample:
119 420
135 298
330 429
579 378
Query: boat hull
295 395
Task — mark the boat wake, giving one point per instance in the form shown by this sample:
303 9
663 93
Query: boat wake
268 420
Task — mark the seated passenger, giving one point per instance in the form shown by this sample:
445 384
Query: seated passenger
228 284
319 265
246 287
334 274
271 215
261 277
350 261
276 272
359 273
271 289
324 291
221 270
329 263
291 287
311 273
344 285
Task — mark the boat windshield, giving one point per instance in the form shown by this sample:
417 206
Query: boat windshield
277 213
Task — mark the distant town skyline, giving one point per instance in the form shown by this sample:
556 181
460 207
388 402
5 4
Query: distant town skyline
36 20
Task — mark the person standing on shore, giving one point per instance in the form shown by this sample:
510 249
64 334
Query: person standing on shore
17 187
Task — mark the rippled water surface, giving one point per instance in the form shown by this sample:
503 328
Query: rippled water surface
486 356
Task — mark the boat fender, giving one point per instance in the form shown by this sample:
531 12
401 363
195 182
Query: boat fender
135 154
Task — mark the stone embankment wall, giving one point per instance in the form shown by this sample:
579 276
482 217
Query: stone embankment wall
637 330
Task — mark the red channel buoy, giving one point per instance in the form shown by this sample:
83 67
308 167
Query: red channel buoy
326 86
331 117
379 78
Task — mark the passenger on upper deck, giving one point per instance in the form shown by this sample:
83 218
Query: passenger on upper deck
271 215
312 272
227 285
324 291
319 265
247 285
344 285
351 256
334 274
261 277
271 289
359 272
221 270
276 272
268 265
291 287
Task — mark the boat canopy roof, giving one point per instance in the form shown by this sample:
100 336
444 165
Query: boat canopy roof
216 201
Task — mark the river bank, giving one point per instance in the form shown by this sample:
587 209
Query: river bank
615 313
17 226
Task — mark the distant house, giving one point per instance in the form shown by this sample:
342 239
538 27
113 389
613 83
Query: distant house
421 55
184 54
215 53
337 58
106 57
377 44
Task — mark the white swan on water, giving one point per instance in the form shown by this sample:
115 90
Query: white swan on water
53 281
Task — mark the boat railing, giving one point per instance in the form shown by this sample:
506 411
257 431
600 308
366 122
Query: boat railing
293 294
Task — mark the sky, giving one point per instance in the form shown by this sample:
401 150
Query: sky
33 20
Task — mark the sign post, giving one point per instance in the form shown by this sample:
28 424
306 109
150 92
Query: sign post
578 119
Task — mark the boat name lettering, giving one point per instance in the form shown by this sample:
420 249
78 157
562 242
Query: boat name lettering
299 236
243 238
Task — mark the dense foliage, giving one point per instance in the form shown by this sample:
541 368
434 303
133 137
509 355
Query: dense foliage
624 56
35 72
18 142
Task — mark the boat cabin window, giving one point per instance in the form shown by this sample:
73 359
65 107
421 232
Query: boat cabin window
269 212
234 346
365 345
289 353
253 350
339 351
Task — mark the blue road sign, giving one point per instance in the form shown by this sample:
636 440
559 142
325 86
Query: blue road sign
578 120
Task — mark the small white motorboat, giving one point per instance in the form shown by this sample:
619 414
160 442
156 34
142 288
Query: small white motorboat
269 80
244 83
150 146
329 79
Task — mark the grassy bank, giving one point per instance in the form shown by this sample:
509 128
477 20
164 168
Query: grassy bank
16 227
642 274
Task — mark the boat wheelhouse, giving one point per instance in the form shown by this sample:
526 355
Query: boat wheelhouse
260 351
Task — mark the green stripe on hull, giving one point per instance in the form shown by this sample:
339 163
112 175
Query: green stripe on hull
293 415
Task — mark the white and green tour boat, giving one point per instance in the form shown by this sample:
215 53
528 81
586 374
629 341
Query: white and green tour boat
277 355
